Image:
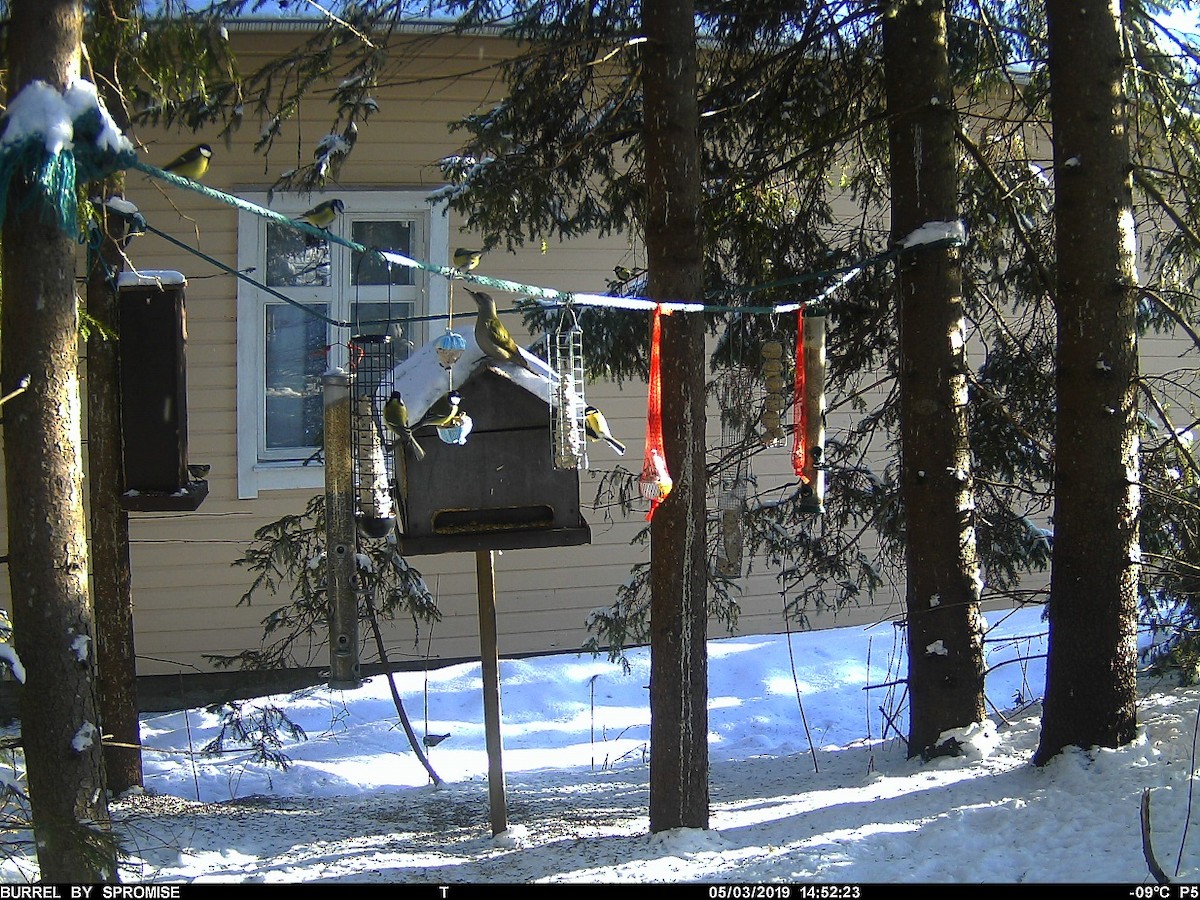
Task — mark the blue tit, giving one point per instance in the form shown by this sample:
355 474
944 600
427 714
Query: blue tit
192 164
491 335
443 412
323 214
466 259
395 417
597 429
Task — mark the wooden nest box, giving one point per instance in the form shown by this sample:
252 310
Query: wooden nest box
499 490
152 338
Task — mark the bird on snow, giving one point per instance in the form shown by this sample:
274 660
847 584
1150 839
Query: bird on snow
596 427
191 164
491 335
395 417
466 259
432 740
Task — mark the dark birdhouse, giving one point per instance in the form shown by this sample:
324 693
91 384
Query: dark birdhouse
152 337
497 491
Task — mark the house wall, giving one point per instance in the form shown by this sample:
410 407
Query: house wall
186 588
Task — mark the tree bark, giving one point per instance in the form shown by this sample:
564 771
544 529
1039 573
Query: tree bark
52 617
112 582
116 660
1092 661
678 583
945 641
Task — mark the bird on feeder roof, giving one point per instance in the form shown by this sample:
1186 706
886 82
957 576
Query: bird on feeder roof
491 335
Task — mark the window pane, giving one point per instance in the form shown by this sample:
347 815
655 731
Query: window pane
369 268
387 318
295 259
295 360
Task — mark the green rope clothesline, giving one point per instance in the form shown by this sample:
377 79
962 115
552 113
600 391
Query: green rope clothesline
549 297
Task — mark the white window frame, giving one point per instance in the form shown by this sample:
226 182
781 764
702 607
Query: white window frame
432 241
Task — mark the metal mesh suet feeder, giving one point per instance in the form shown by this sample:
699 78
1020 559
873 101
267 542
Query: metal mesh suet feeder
568 449
372 357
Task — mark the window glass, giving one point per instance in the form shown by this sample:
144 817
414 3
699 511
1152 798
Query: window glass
295 259
390 235
387 318
295 361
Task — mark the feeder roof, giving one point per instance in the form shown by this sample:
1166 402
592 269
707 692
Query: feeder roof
422 381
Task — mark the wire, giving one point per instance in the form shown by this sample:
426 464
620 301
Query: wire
544 296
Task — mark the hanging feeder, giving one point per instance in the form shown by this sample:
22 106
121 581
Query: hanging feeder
372 357
655 482
449 348
773 384
808 409
456 431
376 512
568 449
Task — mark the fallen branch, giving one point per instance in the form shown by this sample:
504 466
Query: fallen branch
1147 850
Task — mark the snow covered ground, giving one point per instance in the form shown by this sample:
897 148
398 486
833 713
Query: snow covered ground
356 805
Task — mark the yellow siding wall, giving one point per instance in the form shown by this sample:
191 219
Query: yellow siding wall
186 588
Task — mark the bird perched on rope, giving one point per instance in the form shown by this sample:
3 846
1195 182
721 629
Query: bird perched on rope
395 417
443 412
323 214
491 335
192 163
596 427
466 259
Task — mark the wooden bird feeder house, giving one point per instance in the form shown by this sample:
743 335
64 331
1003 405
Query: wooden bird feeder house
152 335
500 489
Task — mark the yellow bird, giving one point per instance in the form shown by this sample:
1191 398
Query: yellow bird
596 427
491 335
465 259
444 412
192 164
395 417
323 214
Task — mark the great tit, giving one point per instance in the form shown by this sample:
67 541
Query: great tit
323 214
491 335
597 429
395 417
466 259
191 164
443 412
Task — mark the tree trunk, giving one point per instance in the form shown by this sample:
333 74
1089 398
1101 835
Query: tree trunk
111 578
675 260
52 618
1091 667
945 642
112 593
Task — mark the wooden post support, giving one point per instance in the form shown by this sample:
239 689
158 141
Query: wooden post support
489 659
340 543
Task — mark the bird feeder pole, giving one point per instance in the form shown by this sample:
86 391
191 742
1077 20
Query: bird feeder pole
489 659
340 541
